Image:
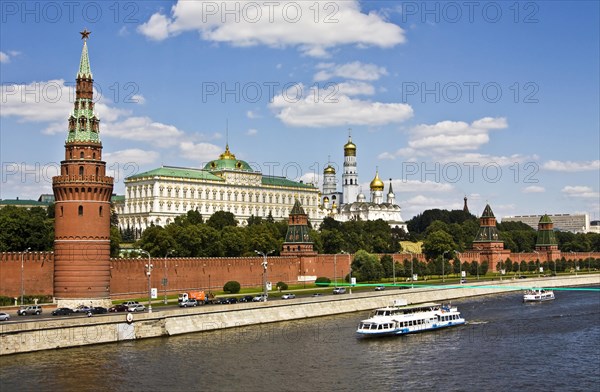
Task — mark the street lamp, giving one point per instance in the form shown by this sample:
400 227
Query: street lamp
149 273
538 265
444 262
22 268
264 265
335 269
165 281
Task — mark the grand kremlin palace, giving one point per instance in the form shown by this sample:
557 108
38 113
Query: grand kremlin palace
226 184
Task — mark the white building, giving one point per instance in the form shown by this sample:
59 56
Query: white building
353 204
576 223
226 184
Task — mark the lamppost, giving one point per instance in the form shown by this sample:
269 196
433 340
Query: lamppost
264 265
538 264
412 280
394 271
335 269
149 274
444 262
165 281
22 269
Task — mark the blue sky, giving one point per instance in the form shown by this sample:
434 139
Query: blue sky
498 101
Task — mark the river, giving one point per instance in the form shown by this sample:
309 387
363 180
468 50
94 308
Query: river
507 345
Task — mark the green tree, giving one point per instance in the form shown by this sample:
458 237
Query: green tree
22 228
232 287
366 267
115 241
281 286
438 243
387 262
221 219
234 241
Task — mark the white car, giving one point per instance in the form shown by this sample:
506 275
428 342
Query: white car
4 316
288 296
136 308
260 298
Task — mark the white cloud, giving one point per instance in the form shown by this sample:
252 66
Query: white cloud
277 24
450 140
143 129
570 166
44 101
334 109
124 163
139 99
4 58
199 152
580 191
534 189
252 132
405 185
352 88
252 115
355 71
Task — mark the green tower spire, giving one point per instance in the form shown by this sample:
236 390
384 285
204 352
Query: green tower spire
84 64
84 125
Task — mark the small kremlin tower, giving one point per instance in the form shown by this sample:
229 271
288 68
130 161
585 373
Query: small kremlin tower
488 242
297 240
82 209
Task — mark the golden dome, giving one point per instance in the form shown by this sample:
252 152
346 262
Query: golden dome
349 148
227 154
325 199
377 184
329 170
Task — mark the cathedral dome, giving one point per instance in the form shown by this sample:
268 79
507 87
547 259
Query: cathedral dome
349 148
377 184
228 161
329 170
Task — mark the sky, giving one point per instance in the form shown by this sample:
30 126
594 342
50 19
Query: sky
495 101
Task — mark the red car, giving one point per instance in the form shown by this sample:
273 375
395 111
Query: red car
118 308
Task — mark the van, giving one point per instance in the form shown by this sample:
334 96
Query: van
31 309
339 290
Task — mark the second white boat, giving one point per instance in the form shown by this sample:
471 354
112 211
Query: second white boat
401 320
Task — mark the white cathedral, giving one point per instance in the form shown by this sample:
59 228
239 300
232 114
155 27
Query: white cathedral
351 203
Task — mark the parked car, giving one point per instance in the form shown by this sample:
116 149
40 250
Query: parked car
4 316
246 298
118 308
288 296
31 309
463 280
379 288
188 303
62 312
136 308
97 310
339 290
317 295
260 298
82 309
131 303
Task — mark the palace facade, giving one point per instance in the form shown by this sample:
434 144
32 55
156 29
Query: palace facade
158 196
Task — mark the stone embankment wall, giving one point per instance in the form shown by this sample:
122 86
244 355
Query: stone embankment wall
65 332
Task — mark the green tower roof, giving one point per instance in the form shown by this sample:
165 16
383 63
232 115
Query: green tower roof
84 64
487 212
545 219
297 209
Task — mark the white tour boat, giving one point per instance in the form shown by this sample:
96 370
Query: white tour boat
538 295
401 320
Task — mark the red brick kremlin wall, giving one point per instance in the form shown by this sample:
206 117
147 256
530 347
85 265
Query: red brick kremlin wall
128 276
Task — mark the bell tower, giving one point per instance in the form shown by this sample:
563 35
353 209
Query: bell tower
82 208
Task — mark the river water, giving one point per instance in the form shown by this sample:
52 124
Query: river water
507 345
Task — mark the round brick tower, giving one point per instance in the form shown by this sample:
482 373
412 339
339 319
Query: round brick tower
82 209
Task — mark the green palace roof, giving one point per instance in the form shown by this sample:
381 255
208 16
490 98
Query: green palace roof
178 172
282 181
227 161
21 203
